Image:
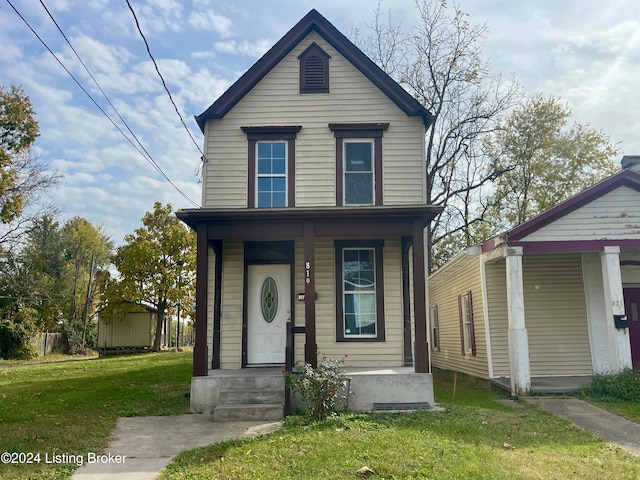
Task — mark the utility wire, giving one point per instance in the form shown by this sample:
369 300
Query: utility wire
150 159
164 84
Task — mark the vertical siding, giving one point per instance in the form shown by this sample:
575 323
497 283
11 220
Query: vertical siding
276 101
444 289
496 286
231 312
134 330
555 315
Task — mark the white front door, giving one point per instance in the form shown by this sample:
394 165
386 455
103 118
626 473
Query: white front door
268 310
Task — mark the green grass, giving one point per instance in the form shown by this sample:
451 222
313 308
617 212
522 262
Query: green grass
71 407
484 439
618 393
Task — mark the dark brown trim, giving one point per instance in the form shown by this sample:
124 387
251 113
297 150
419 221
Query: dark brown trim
377 169
313 21
271 133
435 328
421 360
358 130
471 324
377 245
310 346
200 349
216 245
406 301
306 86
283 254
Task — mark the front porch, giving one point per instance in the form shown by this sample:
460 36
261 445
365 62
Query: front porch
250 393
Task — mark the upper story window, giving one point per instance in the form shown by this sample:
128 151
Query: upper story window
314 70
271 166
358 163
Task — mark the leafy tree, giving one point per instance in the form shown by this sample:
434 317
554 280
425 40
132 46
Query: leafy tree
546 161
156 266
440 63
22 176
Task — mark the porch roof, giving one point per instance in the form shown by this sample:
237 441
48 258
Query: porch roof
243 223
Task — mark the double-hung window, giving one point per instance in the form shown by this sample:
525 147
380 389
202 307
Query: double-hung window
359 291
271 166
358 163
271 169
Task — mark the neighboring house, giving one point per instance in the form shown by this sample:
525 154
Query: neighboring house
313 212
131 329
549 297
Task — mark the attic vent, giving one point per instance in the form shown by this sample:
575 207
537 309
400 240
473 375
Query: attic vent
314 70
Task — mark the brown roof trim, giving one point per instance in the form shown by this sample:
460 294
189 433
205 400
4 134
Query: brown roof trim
272 129
313 21
195 216
358 126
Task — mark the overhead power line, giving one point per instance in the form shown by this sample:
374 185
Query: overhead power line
164 84
141 150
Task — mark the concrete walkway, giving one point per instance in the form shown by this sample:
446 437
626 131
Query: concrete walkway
611 427
142 446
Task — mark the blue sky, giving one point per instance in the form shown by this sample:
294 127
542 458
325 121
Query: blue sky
585 52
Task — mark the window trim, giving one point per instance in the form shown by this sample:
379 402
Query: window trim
377 246
372 131
464 348
271 133
258 175
313 50
435 328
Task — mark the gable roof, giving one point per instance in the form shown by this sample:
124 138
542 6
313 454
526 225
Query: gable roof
625 177
313 21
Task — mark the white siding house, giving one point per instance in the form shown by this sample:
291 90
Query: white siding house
560 293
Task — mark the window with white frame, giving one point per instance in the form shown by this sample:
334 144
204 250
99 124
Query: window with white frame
359 178
271 170
359 290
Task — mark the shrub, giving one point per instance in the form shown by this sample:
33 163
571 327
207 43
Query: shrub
319 387
16 330
623 386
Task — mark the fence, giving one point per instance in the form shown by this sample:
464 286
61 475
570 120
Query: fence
48 343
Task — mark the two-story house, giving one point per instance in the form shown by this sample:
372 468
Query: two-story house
314 211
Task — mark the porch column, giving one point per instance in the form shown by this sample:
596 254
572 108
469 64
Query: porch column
200 350
618 338
518 338
310 346
216 245
421 360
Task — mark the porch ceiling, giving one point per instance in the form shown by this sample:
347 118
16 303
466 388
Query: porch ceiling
264 223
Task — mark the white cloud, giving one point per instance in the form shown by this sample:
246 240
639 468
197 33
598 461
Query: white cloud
210 21
250 49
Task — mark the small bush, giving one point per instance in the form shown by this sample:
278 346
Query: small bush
319 387
623 386
16 329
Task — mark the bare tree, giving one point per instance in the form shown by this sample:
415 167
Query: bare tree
440 63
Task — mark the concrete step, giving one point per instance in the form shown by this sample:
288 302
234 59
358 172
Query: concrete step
238 413
239 396
252 382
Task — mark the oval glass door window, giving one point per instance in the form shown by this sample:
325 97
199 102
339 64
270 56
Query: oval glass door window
269 299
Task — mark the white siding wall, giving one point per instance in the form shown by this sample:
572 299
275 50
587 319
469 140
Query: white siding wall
614 215
555 315
444 289
496 279
276 101
231 312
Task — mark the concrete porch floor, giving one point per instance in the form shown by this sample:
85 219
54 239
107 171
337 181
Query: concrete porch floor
565 384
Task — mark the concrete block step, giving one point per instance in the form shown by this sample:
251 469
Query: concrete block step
238 396
239 413
252 382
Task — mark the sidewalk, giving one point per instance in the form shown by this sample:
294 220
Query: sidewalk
142 446
611 427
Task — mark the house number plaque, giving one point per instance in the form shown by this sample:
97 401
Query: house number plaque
307 272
